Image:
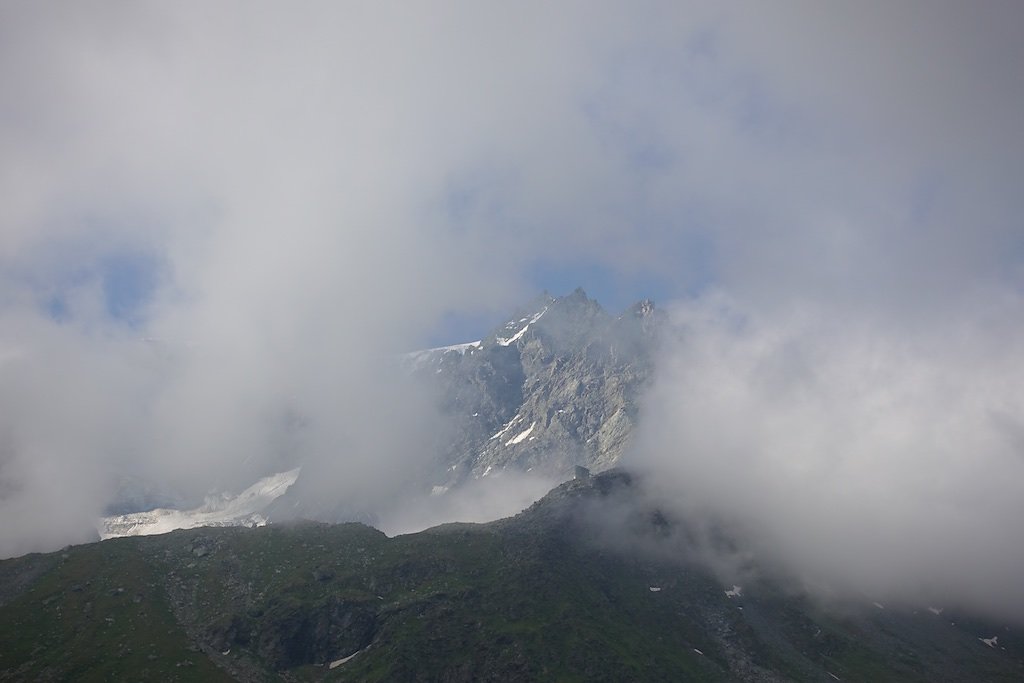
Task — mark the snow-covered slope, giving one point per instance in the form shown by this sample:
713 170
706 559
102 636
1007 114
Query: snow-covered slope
505 341
416 360
245 509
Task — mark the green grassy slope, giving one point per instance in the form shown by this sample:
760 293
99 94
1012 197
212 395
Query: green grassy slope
536 597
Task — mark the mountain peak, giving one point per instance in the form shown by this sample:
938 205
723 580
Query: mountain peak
641 309
577 293
573 311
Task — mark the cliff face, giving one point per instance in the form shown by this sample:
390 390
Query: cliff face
556 386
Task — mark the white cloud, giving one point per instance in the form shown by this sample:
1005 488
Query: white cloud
319 184
863 458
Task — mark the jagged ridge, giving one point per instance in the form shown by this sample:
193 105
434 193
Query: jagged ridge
555 386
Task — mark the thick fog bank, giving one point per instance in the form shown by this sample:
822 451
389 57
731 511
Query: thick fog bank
867 456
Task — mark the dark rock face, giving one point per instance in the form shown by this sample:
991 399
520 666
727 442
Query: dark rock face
554 387
291 633
288 632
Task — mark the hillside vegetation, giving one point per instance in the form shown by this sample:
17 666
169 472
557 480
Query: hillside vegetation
543 596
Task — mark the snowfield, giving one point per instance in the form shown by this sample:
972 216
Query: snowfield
502 341
241 510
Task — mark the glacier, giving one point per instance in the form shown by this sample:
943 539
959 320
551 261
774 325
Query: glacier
244 509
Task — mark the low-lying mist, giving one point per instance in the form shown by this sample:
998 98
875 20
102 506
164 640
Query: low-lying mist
480 500
875 458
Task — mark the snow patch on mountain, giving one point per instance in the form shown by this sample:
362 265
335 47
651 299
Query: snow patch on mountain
502 341
518 438
508 425
243 509
414 360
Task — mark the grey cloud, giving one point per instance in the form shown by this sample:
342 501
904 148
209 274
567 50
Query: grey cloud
872 461
481 500
320 184
289 167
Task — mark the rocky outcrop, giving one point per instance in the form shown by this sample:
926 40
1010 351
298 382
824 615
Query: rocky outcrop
555 386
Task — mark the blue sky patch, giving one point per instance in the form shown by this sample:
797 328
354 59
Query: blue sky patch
129 281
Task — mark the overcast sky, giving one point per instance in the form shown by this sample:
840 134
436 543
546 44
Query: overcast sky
271 193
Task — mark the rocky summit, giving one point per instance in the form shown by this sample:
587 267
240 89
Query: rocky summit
555 386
